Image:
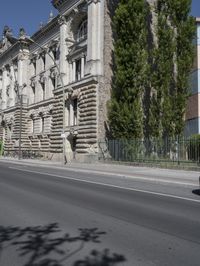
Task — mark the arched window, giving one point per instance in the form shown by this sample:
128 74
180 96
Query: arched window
82 31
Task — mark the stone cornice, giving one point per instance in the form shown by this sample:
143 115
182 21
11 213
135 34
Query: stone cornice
41 103
83 82
45 28
16 47
58 3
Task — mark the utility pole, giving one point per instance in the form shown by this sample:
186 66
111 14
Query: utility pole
20 101
20 127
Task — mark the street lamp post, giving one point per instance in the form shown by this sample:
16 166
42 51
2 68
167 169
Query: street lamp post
24 37
20 101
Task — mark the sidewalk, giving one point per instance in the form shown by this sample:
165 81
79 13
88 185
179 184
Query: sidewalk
106 169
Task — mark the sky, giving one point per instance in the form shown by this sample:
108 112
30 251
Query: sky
30 13
24 13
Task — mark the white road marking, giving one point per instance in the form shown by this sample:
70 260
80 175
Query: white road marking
157 180
107 185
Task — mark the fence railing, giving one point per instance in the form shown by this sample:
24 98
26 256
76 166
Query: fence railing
176 151
25 154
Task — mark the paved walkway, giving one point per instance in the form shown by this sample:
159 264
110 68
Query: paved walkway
136 172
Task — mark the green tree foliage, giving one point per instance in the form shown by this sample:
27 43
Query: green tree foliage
172 57
162 75
130 49
185 26
165 68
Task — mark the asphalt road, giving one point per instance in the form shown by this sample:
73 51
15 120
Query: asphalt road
49 220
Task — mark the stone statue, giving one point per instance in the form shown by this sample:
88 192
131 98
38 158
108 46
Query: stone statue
22 33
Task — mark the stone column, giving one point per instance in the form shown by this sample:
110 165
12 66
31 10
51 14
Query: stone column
4 87
12 86
83 66
95 37
70 72
1 78
64 68
73 71
23 72
71 111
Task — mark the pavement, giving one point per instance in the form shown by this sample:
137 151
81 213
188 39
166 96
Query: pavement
150 174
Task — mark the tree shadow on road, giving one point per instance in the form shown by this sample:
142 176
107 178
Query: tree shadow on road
46 246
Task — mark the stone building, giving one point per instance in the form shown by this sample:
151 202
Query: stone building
54 86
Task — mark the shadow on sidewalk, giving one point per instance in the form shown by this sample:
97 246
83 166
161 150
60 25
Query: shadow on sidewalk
44 246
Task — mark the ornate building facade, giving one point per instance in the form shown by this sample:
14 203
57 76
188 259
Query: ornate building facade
54 86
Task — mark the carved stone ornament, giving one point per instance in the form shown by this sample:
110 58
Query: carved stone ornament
11 121
8 90
93 1
42 79
53 73
62 20
23 56
22 33
16 87
77 94
53 45
50 109
75 10
70 92
33 59
33 82
42 52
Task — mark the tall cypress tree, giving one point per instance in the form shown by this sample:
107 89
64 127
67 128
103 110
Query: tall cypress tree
130 75
165 69
185 32
173 57
162 75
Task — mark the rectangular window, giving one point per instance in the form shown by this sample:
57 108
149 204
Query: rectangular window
42 124
33 94
34 67
43 91
78 69
75 109
32 126
67 112
43 61
9 132
71 112
54 52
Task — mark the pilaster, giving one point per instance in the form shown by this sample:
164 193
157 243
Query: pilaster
95 37
4 86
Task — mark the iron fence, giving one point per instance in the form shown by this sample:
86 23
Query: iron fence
177 151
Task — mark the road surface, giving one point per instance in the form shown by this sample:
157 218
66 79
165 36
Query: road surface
64 217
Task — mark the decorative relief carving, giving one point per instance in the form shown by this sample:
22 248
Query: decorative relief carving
7 40
33 82
62 20
93 1
23 56
42 79
16 87
33 58
53 73
53 45
42 52
8 90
